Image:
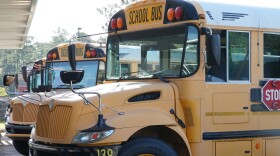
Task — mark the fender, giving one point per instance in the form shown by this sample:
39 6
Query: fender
182 134
142 117
134 120
136 115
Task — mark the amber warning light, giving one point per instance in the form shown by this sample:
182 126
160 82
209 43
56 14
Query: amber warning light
176 13
117 23
52 55
91 53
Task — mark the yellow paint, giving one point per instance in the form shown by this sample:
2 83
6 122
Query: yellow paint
202 106
143 14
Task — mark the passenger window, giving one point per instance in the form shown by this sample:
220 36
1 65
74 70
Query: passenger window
238 56
271 56
235 58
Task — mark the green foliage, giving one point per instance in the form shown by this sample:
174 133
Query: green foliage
111 9
83 39
11 60
2 92
59 37
2 124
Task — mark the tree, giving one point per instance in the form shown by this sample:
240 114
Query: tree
43 48
111 9
84 39
60 36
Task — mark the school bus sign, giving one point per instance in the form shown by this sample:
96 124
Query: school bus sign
144 14
271 94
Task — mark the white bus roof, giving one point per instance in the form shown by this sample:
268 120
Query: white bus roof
244 14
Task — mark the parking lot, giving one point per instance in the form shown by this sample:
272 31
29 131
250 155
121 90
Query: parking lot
6 146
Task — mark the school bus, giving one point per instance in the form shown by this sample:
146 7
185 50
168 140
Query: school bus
44 82
187 78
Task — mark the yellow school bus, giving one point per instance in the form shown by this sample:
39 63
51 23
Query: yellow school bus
188 78
44 82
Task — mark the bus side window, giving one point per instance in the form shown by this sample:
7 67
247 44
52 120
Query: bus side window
238 49
271 56
218 73
235 58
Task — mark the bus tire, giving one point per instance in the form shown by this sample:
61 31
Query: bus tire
146 146
21 146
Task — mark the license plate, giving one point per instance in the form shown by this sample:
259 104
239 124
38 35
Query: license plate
106 151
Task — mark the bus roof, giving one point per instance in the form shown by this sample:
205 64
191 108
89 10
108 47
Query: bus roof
241 15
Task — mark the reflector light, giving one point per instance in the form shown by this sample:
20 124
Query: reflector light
113 24
88 53
171 14
120 23
95 136
178 12
54 55
50 56
258 145
93 53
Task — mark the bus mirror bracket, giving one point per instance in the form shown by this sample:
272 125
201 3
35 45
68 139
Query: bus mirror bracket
72 77
24 73
72 56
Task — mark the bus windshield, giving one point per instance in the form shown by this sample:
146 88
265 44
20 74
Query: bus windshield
90 68
168 52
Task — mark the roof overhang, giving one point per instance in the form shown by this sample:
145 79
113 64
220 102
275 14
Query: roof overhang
15 19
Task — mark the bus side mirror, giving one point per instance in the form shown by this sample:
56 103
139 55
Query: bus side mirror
24 73
75 76
8 80
213 50
71 56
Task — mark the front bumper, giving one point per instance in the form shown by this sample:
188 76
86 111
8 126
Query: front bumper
38 148
21 132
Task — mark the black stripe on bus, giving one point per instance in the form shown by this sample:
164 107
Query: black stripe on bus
240 134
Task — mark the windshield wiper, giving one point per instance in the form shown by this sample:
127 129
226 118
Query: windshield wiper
127 74
60 86
160 77
79 86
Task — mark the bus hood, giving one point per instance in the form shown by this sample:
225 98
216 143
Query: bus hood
61 117
116 94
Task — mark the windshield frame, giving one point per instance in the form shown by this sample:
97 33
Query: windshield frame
167 32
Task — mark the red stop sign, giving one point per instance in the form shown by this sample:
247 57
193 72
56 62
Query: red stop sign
271 94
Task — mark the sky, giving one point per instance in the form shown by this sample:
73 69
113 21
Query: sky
71 14
67 14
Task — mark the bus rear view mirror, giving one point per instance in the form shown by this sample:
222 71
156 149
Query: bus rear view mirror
213 49
24 73
74 76
71 56
8 79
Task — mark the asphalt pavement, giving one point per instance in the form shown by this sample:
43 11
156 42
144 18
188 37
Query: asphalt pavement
6 146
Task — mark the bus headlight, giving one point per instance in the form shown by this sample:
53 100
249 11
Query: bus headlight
88 137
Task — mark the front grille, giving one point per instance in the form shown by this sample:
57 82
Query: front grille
25 113
18 110
53 123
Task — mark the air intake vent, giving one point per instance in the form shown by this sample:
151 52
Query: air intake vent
145 97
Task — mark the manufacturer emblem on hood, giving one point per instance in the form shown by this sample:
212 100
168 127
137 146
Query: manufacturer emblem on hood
51 104
24 103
